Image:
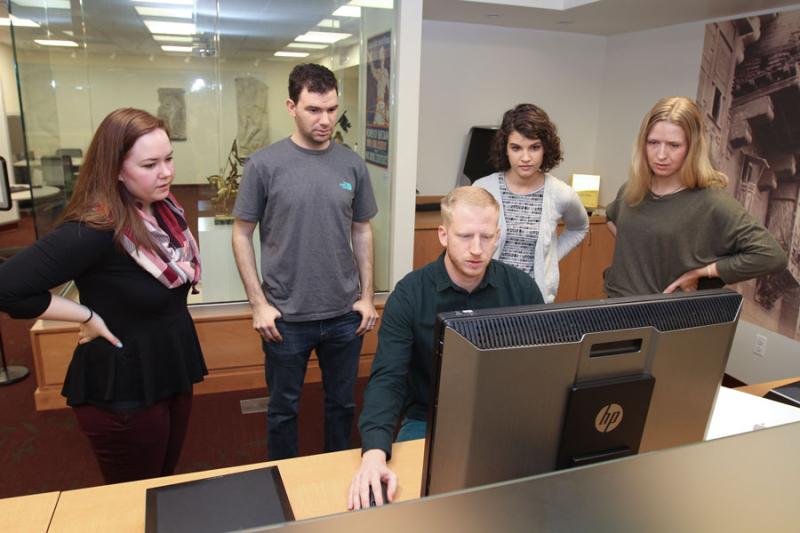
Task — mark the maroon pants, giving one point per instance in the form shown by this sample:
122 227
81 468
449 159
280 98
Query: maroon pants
140 444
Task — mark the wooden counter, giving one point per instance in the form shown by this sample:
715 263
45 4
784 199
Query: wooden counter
28 514
231 348
316 486
581 271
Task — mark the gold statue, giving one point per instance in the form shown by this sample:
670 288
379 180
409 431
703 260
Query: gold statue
226 186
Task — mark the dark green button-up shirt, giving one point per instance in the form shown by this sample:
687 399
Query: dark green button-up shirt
401 371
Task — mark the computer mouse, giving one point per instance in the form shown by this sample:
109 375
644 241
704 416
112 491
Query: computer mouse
372 495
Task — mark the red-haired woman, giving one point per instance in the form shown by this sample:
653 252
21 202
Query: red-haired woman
125 242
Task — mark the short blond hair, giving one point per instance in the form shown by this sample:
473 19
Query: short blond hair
468 195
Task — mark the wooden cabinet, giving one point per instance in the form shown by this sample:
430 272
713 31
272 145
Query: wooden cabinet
231 348
426 238
582 270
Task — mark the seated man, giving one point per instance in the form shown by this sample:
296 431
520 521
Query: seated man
463 277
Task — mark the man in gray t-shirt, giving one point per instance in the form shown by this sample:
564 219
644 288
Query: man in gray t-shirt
311 198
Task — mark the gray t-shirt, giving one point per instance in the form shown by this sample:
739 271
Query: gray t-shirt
305 202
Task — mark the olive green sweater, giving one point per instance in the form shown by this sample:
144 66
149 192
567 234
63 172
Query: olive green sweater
660 239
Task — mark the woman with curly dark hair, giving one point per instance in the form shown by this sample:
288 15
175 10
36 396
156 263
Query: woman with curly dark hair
532 201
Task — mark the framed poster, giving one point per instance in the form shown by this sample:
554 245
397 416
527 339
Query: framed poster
379 68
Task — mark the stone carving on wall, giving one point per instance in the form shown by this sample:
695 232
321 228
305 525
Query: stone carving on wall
251 115
172 108
750 93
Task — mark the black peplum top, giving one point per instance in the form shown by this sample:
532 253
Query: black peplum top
161 355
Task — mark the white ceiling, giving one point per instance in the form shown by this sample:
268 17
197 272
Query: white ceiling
603 17
250 29
246 29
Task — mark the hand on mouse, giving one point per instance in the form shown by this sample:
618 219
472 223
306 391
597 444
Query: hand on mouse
371 473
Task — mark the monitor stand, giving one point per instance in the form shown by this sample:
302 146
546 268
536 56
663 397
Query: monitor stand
604 420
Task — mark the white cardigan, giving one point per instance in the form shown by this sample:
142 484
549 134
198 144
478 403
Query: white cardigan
560 202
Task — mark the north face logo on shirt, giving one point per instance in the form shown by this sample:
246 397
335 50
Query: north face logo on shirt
346 186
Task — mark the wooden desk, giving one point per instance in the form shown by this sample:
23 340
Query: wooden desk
28 514
316 485
761 389
39 193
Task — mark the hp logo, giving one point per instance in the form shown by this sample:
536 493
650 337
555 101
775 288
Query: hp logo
608 418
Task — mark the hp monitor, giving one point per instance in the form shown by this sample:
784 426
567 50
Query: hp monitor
525 390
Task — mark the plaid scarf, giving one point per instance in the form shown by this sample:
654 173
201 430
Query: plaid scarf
176 259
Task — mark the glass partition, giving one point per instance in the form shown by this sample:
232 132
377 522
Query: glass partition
217 70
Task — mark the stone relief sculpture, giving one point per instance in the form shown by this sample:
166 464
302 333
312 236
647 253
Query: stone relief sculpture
172 108
251 115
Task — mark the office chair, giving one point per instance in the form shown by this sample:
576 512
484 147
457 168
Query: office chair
53 171
72 152
10 374
59 172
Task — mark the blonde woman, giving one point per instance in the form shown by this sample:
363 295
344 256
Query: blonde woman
676 226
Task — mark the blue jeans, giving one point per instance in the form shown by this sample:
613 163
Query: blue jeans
338 351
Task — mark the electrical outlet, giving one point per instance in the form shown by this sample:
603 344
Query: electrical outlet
760 347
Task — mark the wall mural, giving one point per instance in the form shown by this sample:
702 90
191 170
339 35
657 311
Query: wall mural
252 116
172 109
750 92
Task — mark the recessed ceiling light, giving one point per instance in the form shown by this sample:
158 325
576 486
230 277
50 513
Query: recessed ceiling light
168 2
45 4
284 53
348 11
56 42
173 38
176 28
174 48
329 23
307 46
18 22
165 12
381 4
321 37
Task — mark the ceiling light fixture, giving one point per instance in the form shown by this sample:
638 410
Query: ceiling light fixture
45 4
307 46
329 23
175 28
173 38
348 11
328 37
56 42
168 2
18 22
380 4
284 53
164 12
174 48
